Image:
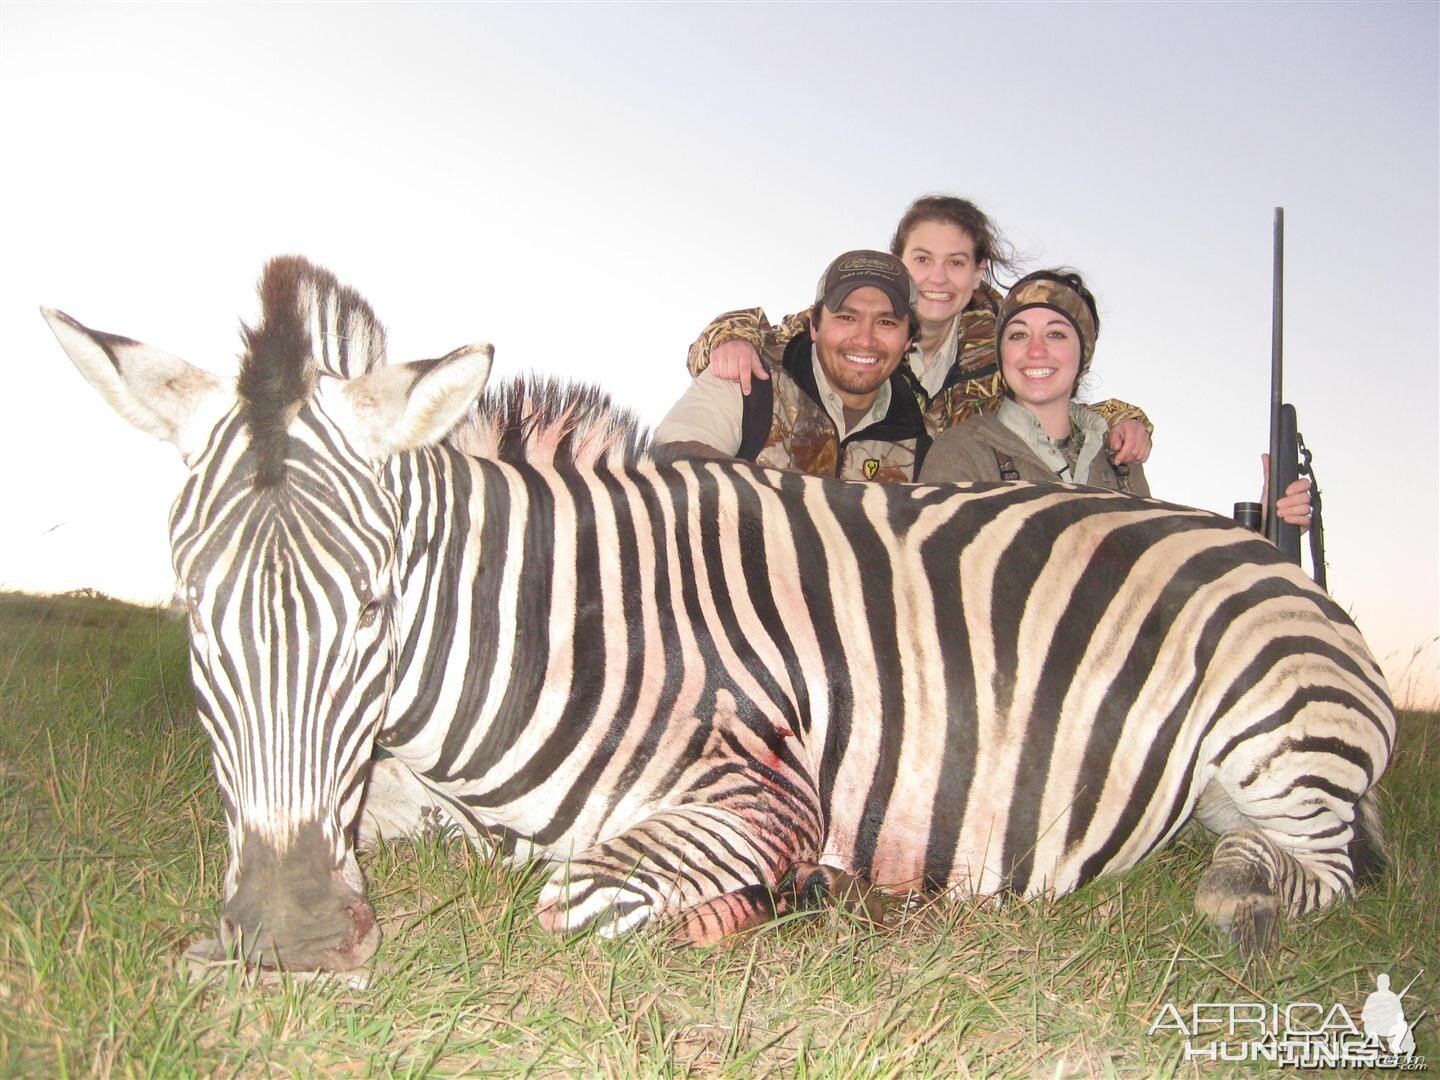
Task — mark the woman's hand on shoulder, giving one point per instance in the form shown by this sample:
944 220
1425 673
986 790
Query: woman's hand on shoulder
737 360
1130 441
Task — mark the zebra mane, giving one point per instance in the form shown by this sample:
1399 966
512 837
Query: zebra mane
543 421
309 324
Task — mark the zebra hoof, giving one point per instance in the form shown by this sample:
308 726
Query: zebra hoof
816 885
1239 898
1253 926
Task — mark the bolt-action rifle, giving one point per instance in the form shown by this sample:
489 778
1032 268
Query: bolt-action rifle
1289 456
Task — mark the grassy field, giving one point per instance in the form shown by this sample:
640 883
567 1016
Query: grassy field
115 849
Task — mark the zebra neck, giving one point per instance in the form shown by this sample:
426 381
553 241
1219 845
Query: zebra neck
496 561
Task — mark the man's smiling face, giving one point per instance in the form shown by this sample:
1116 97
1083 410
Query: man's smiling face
861 344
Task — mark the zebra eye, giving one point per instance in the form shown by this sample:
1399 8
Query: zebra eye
370 612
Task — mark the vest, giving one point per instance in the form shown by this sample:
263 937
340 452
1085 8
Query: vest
786 427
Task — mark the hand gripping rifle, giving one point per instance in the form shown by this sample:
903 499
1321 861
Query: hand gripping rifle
1289 456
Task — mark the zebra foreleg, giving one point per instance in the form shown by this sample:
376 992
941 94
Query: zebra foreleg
397 806
731 825
808 886
672 860
713 852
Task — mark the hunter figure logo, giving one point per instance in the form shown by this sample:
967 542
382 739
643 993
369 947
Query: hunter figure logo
872 466
1301 1034
1384 1017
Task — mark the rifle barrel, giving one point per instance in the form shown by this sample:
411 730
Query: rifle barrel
1277 366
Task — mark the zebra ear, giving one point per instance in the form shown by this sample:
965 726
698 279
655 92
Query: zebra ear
160 394
406 406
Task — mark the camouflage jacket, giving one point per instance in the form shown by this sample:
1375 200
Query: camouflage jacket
786 427
972 386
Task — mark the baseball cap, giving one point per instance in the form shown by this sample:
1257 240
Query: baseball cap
857 269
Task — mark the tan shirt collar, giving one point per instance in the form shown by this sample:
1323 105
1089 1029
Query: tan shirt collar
932 378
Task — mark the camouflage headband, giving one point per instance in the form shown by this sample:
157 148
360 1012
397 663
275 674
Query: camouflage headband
1047 290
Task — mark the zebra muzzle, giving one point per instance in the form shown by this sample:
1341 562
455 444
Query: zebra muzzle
293 910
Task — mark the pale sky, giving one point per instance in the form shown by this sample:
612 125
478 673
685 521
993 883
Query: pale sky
586 185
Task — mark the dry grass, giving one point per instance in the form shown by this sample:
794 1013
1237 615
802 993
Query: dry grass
115 849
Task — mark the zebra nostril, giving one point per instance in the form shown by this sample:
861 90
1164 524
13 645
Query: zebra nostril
362 916
229 930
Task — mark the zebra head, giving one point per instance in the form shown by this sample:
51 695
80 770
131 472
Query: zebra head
284 540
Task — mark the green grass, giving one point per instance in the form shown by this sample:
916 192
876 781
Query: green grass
115 849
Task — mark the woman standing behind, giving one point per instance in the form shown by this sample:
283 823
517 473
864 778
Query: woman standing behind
1039 433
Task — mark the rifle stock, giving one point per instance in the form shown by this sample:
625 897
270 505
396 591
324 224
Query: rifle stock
1284 469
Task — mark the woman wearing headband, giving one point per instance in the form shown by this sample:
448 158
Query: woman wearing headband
1048 326
1040 433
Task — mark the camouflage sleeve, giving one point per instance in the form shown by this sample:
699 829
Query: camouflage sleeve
790 327
1115 410
747 324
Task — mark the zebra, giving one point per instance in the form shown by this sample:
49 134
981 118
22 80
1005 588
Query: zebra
707 690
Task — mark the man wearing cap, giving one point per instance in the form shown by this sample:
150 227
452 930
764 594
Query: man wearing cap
838 402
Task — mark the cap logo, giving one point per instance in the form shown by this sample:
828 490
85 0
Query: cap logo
865 264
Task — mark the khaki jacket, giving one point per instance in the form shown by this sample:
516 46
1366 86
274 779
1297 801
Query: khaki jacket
979 448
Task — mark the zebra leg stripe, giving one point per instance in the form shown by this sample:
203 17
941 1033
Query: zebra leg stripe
740 814
397 806
1240 892
672 861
